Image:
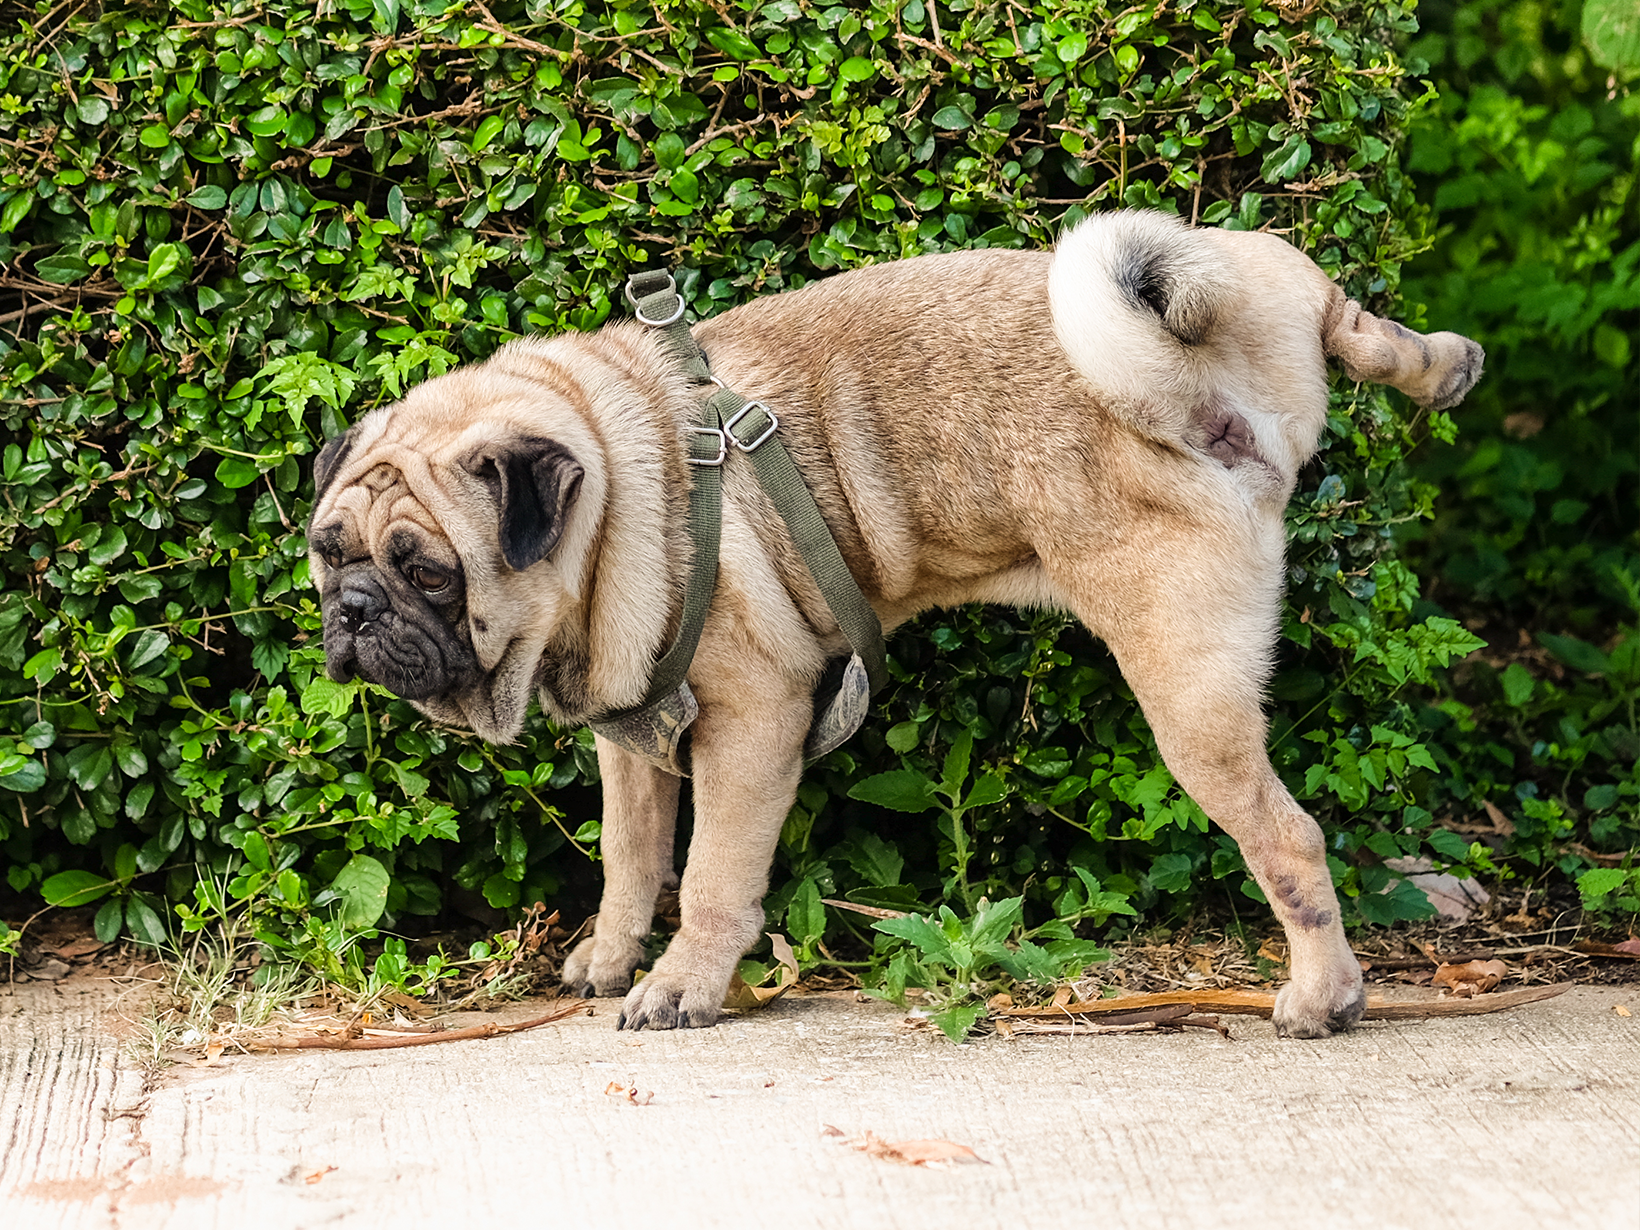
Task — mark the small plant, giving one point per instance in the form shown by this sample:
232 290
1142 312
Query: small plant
959 958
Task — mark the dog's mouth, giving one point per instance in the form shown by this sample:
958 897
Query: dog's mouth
414 655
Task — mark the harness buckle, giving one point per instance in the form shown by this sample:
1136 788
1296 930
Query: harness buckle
637 307
744 445
722 438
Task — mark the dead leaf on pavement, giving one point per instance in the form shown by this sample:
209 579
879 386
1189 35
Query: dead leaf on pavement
931 1153
630 1094
1470 978
318 1174
1621 1010
746 997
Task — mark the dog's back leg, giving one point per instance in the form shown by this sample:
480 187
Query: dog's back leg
640 818
1193 639
1434 369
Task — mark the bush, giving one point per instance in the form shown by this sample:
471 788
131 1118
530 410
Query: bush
1531 163
228 229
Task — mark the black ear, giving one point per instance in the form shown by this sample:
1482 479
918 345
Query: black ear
534 481
330 460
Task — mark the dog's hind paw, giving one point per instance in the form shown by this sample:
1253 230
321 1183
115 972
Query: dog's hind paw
1300 1013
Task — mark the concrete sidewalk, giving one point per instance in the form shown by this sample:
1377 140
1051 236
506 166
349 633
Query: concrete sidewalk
1527 1118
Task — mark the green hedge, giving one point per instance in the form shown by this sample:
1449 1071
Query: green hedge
228 229
1531 163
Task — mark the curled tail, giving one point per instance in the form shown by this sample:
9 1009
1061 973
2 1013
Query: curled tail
1133 296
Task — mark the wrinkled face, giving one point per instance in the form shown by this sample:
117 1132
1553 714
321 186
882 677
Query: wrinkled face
429 544
395 612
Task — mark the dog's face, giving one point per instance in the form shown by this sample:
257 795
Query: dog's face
425 515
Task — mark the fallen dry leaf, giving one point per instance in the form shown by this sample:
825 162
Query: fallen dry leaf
931 1153
318 1174
1470 978
1502 823
830 1132
744 996
1621 1010
631 1095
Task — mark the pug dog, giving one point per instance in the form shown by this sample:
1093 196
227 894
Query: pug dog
1111 429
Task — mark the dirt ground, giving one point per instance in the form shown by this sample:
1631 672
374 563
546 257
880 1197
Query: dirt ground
1525 1118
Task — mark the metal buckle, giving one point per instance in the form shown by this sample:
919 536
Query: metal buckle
637 308
729 425
672 319
723 447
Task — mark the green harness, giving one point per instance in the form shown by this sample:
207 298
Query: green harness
729 423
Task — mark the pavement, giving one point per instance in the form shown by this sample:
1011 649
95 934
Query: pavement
1525 1118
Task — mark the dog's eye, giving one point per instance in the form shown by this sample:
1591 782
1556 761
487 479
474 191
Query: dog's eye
332 558
427 579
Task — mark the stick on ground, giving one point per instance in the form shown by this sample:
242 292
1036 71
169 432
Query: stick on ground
1263 1003
340 1042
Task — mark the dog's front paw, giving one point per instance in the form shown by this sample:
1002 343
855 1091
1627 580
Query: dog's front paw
1321 1008
601 967
685 999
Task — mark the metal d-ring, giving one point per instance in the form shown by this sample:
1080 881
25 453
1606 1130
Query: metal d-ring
676 316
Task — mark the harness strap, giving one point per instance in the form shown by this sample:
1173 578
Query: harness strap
730 421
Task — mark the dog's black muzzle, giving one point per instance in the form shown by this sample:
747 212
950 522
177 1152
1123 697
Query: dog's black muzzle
396 640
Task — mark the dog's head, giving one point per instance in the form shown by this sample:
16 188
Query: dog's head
446 538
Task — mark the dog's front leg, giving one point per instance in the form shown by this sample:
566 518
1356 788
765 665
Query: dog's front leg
746 757
640 818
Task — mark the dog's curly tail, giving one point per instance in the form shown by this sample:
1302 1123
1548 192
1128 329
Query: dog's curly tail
1133 295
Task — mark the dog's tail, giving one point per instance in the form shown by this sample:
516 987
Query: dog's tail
1135 297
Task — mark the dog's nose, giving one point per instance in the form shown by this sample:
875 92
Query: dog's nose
361 606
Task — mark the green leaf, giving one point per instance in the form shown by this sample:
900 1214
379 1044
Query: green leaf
957 1021
900 789
952 118
903 736
26 778
208 197
1611 29
235 472
70 888
1579 655
61 268
110 918
806 916
257 853
930 941
733 43
488 127
362 885
1517 684
145 924
856 68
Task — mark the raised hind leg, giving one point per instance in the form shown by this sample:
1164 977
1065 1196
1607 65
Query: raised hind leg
1193 638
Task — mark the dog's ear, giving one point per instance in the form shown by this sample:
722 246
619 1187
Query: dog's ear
534 482
330 460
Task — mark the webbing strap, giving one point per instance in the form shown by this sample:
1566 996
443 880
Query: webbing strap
728 422
807 525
